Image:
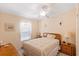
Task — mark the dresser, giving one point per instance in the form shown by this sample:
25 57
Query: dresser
68 48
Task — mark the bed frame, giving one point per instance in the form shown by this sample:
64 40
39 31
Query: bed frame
58 36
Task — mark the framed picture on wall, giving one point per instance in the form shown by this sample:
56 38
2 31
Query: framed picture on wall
9 27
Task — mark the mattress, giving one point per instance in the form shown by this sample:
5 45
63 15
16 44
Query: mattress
41 47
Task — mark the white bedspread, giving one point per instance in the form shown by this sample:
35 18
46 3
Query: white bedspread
41 46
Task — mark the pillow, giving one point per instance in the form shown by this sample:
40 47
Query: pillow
51 36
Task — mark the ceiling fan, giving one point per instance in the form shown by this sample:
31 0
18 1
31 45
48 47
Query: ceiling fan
45 9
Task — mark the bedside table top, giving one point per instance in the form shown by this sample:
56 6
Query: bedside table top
68 44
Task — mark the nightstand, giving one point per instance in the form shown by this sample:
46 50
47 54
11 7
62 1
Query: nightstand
8 50
38 36
68 48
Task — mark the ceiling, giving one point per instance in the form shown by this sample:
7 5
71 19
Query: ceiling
32 10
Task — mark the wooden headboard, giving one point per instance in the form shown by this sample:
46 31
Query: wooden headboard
58 36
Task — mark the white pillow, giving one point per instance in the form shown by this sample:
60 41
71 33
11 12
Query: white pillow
51 36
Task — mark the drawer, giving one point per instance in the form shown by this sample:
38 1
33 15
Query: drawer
64 50
69 48
69 51
64 46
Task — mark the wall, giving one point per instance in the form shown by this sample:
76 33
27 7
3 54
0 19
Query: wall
35 28
77 32
68 20
14 36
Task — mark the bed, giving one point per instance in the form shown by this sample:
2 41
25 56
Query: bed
42 46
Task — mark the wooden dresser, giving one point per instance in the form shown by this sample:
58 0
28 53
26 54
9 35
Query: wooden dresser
68 48
8 50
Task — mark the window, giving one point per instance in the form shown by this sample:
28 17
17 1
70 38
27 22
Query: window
25 30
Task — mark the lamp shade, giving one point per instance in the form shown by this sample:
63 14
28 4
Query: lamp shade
69 37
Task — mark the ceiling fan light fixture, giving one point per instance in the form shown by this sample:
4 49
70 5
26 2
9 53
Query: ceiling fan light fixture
43 13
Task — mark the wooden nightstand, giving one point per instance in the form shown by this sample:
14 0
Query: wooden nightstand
68 49
38 36
8 50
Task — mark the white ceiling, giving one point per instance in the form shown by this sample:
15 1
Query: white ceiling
32 10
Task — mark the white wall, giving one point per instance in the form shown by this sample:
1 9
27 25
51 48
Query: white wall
35 28
68 20
14 36
77 32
